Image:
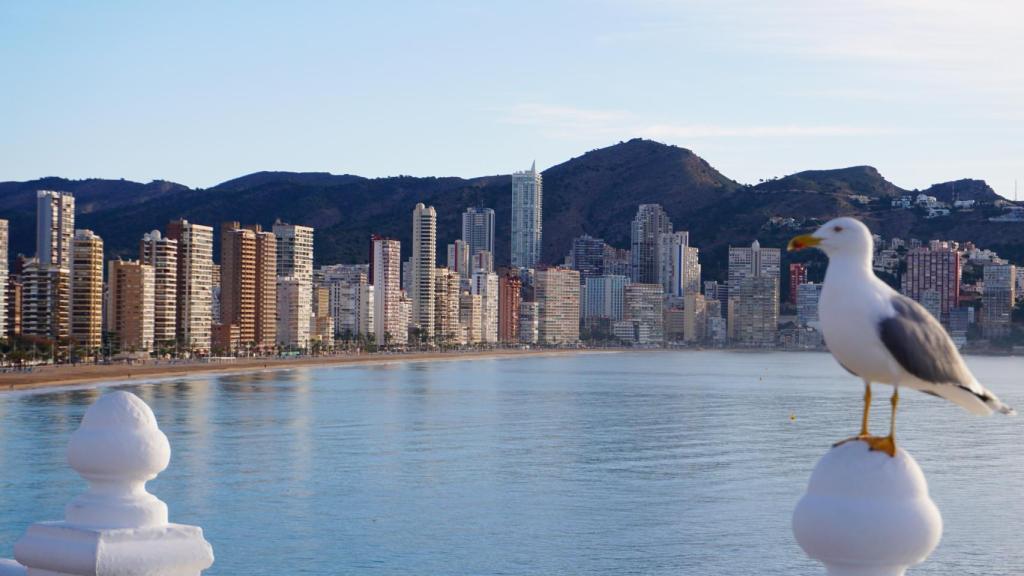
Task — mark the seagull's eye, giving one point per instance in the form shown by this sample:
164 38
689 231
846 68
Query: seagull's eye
837 228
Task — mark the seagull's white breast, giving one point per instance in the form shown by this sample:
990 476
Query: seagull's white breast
850 310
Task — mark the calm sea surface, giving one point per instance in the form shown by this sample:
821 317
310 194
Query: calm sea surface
629 463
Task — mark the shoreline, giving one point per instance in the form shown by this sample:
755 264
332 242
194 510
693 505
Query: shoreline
45 377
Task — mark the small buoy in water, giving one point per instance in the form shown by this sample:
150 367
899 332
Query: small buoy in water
792 417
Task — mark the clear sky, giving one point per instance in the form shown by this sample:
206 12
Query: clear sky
200 92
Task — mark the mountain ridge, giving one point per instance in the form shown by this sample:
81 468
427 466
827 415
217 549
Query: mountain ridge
596 193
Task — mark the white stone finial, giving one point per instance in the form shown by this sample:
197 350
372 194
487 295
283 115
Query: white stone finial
117 449
866 513
116 527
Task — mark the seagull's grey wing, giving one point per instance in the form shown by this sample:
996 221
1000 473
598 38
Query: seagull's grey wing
920 344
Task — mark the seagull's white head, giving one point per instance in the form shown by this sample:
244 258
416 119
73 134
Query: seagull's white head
846 238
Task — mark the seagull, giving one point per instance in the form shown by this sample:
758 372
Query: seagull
883 337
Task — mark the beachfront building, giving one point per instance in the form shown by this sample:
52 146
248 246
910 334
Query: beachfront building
194 284
694 318
605 297
238 285
351 299
470 317
807 296
161 254
46 301
265 289
131 301
557 291
753 294
586 256
510 290
55 228
643 309
389 325
527 210
447 294
529 322
485 284
294 303
424 264
680 265
87 291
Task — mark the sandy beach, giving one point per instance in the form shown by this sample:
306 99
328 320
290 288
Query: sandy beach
67 375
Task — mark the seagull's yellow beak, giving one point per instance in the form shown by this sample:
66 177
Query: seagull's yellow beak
801 242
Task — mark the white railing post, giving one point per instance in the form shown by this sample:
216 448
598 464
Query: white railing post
866 513
115 527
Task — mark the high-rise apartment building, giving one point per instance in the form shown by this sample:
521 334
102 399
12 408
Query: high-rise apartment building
527 210
447 293
587 256
470 317
680 265
557 291
478 229
46 301
605 297
131 301
645 250
643 307
807 296
87 291
424 265
294 250
529 322
13 290
238 282
482 261
387 292
194 302
4 288
510 289
998 299
797 276
161 254
265 304
351 299
294 310
55 228
617 261
485 284
935 268
694 318
754 295
458 259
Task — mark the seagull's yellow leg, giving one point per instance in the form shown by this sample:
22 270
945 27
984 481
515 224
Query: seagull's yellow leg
867 409
864 434
887 444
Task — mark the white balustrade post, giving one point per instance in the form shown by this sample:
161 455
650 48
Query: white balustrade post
115 527
866 513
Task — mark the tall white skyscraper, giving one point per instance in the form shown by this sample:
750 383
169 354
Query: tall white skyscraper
424 267
527 198
478 229
55 228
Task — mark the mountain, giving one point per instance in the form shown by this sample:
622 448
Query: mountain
596 193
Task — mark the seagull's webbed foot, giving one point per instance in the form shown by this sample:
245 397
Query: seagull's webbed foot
885 444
